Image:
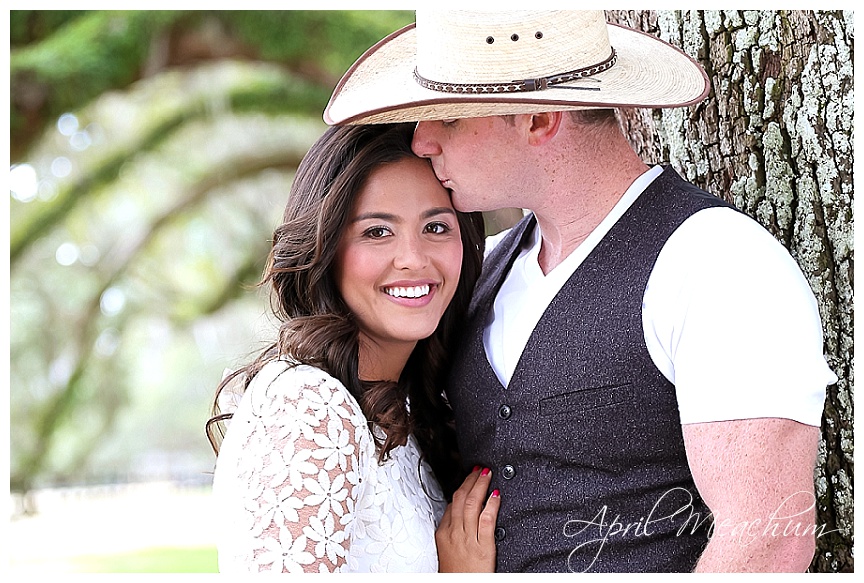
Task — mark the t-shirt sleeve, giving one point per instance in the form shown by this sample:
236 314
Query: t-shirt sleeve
286 477
731 321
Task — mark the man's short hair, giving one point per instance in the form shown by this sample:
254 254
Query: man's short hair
594 117
588 117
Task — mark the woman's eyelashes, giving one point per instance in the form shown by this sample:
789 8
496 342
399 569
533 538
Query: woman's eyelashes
433 228
438 228
377 232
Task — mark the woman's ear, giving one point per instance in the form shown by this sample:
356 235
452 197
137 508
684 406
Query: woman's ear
543 127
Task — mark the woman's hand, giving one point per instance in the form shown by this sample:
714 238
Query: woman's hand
466 535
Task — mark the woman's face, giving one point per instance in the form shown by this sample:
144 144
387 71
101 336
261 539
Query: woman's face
399 260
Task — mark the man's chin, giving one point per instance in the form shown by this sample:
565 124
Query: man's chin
463 204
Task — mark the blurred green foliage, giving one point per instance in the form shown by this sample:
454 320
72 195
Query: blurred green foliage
28 26
76 61
151 155
60 61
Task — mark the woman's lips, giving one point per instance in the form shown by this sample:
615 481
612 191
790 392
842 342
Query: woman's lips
414 296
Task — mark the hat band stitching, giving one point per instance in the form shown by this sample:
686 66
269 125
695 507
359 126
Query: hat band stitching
523 85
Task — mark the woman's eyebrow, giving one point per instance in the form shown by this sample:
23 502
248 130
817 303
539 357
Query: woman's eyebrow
382 216
438 211
375 215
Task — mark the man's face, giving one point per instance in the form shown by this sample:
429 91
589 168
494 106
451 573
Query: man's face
474 158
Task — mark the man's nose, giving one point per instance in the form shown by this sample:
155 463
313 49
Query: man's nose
425 143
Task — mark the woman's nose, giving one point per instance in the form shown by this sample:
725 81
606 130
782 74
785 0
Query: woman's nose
411 254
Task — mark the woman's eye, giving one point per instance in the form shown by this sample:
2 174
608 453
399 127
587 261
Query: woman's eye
438 228
376 232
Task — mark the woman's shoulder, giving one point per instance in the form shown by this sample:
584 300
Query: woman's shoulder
286 380
284 370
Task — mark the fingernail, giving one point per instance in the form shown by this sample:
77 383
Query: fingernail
496 493
485 471
475 468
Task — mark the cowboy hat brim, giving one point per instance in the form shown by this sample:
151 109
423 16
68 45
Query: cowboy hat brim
380 86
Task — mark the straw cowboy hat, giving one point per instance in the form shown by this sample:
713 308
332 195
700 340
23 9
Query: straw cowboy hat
453 64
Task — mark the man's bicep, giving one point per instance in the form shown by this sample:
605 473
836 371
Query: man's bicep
756 476
751 465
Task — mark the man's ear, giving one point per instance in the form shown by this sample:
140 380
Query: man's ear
543 127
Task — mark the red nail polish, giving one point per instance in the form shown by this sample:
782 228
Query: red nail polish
496 493
485 471
475 468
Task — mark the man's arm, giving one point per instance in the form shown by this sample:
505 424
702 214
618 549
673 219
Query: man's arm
756 476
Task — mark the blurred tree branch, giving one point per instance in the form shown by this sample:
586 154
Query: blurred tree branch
106 50
85 57
54 411
33 221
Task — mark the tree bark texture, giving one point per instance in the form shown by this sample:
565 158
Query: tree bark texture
775 137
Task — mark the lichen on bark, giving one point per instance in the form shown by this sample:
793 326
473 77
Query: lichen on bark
776 138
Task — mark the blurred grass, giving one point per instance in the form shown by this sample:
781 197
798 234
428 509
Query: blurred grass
152 527
153 560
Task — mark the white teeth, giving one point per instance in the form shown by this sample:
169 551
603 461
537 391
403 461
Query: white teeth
408 292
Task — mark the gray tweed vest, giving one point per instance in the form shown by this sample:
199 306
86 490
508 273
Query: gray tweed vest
585 444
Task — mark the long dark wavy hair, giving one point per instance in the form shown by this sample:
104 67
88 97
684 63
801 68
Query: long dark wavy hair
316 326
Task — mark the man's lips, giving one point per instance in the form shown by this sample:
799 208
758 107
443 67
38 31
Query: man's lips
442 180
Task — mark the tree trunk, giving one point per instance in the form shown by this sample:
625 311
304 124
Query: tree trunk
775 138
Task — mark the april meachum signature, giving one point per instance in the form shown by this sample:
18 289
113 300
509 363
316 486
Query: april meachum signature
778 523
781 522
615 527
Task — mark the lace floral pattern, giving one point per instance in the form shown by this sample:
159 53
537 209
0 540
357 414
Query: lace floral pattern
298 486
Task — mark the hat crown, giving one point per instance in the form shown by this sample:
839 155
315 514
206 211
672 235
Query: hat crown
463 46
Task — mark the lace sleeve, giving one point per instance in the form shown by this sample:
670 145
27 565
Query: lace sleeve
288 473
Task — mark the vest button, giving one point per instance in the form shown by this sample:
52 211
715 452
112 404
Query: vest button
500 533
504 411
508 472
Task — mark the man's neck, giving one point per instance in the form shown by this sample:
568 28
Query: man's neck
569 216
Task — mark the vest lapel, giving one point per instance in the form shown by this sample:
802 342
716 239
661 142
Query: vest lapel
496 267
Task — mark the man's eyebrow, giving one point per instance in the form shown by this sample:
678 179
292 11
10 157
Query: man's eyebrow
381 216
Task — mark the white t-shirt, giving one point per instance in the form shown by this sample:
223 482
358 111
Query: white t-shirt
728 316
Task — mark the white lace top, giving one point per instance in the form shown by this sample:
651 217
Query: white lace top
298 486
